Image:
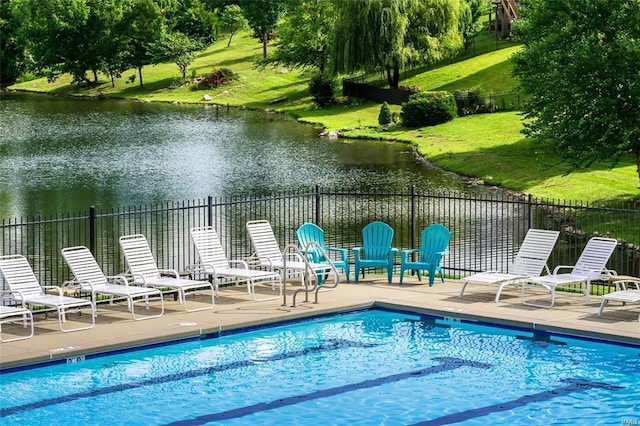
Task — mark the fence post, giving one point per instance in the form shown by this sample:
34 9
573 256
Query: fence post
530 211
318 205
92 230
210 210
412 232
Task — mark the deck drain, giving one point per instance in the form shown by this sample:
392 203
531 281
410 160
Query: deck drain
66 348
187 324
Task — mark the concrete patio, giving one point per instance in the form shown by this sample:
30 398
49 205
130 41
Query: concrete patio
234 309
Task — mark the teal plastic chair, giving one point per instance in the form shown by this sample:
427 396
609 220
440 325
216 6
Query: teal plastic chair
434 242
309 233
376 250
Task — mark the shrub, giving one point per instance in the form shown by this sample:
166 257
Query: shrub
216 78
428 109
322 88
385 116
470 101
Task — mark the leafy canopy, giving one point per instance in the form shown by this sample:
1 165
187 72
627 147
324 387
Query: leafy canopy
304 35
581 65
262 16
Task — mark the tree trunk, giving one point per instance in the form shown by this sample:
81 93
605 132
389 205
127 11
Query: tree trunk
265 38
636 151
140 75
230 37
396 77
393 79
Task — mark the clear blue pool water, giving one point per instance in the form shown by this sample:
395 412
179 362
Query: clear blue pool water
370 367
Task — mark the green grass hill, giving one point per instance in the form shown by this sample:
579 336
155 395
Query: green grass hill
489 147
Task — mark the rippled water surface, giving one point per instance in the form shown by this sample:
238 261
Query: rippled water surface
63 155
366 368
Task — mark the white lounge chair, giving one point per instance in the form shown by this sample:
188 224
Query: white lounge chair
530 261
214 262
89 277
144 271
268 254
591 265
11 314
624 294
25 289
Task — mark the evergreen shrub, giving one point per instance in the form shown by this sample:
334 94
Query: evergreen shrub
385 116
322 88
428 109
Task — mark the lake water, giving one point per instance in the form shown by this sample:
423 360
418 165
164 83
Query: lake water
61 155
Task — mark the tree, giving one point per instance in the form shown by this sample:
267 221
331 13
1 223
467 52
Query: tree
179 48
12 56
471 12
385 116
109 44
53 33
141 26
104 47
305 35
192 18
580 64
232 21
262 16
388 35
70 36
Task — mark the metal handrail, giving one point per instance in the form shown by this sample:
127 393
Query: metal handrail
308 269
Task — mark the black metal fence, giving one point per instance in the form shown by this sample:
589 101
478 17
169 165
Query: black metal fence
492 102
486 230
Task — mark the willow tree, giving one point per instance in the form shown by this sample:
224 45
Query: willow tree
390 35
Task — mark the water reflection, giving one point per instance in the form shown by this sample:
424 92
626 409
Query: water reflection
63 155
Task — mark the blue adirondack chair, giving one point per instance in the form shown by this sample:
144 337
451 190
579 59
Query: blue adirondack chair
376 250
434 242
309 233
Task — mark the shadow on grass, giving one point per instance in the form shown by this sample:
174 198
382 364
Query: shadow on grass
293 97
498 75
134 89
336 110
231 62
220 50
131 90
520 165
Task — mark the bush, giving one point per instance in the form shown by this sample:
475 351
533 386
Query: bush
428 109
217 78
385 116
322 88
470 101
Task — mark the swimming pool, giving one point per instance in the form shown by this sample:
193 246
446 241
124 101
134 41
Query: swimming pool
367 367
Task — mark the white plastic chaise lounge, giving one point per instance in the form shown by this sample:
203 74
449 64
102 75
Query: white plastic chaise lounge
88 276
530 261
590 266
25 289
214 262
144 271
11 314
268 254
624 295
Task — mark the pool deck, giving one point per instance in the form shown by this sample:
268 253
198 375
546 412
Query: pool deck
234 309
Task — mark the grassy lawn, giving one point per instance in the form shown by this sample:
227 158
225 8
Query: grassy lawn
489 146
